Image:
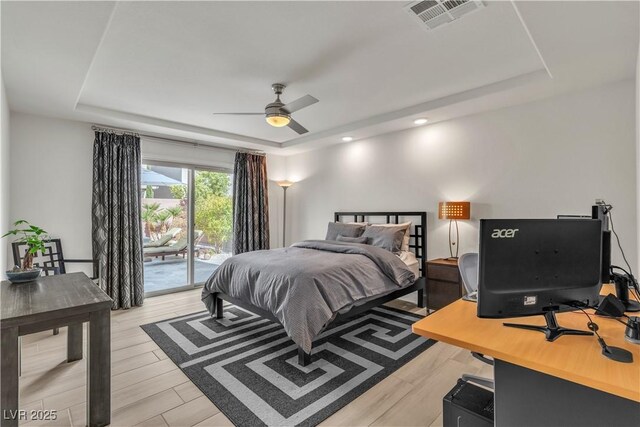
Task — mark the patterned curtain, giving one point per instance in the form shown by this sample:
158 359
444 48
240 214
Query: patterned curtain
250 203
116 224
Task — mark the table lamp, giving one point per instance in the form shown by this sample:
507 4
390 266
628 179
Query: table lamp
284 185
453 211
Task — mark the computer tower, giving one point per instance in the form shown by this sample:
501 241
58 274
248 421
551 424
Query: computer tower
467 405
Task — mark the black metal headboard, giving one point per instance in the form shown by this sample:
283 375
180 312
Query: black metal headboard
418 236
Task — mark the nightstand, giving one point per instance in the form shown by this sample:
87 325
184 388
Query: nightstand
444 284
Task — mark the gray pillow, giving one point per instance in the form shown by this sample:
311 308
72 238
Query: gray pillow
360 239
336 229
389 238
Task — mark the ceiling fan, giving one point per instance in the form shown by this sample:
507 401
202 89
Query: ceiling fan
278 114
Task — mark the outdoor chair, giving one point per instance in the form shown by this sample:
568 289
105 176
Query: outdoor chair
178 248
164 240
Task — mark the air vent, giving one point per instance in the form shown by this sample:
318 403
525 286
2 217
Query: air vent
434 13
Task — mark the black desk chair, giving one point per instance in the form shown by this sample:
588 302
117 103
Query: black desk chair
51 260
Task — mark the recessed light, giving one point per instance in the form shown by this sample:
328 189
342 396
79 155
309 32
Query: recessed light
420 121
347 138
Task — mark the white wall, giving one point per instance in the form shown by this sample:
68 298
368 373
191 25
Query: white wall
534 160
4 176
56 193
540 159
276 170
638 152
51 178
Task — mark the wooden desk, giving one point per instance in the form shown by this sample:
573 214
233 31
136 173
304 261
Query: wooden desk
51 302
573 359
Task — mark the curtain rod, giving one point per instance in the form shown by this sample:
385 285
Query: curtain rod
193 143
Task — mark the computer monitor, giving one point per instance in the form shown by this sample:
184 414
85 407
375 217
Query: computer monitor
538 267
597 212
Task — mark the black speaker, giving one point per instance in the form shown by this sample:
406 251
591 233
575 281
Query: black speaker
623 283
611 306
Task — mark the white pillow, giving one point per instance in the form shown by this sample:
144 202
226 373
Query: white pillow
407 232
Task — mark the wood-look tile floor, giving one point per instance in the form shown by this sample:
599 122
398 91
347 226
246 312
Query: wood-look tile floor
148 389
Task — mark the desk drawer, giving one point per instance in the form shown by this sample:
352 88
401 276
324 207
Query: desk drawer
439 272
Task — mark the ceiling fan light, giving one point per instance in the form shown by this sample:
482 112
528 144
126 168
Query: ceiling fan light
278 120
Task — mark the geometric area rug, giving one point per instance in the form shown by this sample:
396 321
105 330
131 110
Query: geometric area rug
247 366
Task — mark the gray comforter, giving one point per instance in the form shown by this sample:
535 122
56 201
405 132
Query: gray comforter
306 284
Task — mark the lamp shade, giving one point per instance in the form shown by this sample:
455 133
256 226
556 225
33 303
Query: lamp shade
454 210
285 184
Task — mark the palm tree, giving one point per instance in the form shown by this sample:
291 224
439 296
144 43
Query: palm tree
163 217
175 211
150 216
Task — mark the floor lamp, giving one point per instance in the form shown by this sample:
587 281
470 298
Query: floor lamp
453 211
284 185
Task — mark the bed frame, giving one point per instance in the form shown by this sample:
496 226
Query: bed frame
417 244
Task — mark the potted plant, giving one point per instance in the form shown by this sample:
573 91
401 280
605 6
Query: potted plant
35 238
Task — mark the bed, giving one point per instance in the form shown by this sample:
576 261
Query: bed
316 284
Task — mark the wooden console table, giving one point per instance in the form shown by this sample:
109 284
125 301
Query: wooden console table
51 302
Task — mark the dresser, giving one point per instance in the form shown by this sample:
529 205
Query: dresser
444 284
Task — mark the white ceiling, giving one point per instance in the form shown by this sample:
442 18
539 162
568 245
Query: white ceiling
165 67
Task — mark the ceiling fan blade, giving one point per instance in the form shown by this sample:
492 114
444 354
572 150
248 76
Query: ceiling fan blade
300 103
239 114
297 127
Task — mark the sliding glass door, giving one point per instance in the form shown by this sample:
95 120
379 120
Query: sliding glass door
212 222
186 218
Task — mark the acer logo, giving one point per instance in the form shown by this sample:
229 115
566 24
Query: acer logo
504 233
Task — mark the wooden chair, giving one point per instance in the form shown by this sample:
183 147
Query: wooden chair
52 260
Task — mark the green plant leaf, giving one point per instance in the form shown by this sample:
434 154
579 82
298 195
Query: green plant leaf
33 235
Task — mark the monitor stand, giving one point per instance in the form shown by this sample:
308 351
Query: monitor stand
622 292
552 331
